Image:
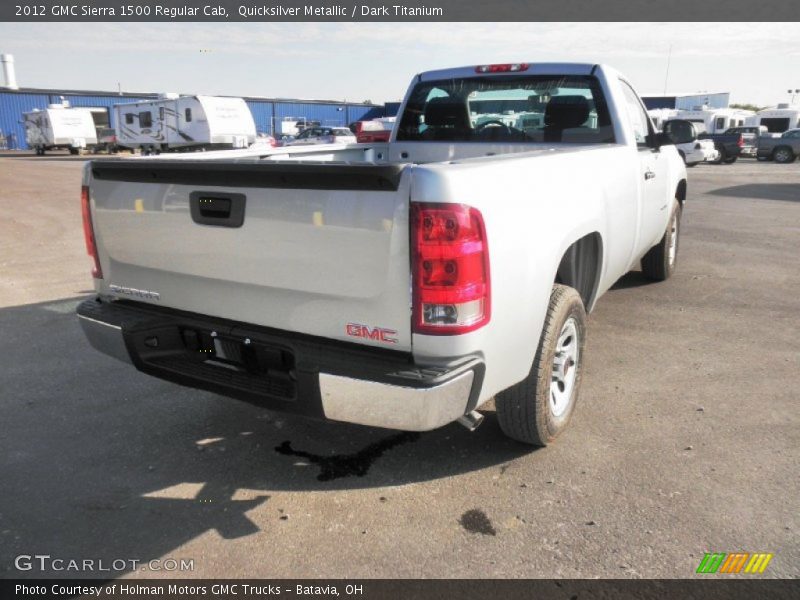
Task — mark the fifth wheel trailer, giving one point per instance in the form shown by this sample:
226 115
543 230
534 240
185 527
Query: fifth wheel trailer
59 127
175 122
779 119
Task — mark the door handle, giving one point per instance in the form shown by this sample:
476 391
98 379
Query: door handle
214 208
649 175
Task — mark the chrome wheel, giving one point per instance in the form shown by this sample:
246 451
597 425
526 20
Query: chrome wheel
565 368
672 248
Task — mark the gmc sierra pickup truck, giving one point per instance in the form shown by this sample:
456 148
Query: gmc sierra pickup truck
400 284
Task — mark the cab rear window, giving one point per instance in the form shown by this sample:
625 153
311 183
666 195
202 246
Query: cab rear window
509 108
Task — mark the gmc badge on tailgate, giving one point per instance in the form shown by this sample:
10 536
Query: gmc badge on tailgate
378 334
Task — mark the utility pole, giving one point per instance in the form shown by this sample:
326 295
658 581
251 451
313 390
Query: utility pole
666 75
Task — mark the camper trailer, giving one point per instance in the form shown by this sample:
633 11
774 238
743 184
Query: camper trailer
174 122
59 127
779 119
715 120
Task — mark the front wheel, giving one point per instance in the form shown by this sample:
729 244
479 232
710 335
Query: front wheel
537 409
659 262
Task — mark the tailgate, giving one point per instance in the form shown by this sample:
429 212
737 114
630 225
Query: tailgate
313 248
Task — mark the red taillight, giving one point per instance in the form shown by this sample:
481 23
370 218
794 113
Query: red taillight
450 269
507 68
88 232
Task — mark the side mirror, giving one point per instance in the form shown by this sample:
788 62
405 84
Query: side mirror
659 139
680 131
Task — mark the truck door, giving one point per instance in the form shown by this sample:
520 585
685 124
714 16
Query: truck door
654 212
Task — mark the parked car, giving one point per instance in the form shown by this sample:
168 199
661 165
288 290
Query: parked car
376 130
401 284
264 139
784 149
692 150
750 137
322 135
106 140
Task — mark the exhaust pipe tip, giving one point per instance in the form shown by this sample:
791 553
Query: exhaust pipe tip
471 420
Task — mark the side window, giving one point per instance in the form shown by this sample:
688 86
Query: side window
145 119
639 120
188 115
128 118
720 123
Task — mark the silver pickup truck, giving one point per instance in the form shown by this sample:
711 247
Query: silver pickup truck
400 284
783 149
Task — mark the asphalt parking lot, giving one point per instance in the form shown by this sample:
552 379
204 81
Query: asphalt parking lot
685 440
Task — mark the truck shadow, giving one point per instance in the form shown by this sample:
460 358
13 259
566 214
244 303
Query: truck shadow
787 192
99 460
631 279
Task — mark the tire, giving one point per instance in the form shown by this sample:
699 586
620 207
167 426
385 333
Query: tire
690 165
783 155
74 151
530 411
731 160
723 156
659 262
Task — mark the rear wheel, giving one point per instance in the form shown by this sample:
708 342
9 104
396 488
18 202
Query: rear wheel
537 409
731 160
783 154
723 156
659 262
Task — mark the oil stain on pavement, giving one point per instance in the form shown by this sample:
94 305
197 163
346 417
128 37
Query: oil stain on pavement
476 521
347 465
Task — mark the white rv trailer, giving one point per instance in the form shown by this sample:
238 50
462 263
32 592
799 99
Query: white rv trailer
779 119
59 127
175 122
715 120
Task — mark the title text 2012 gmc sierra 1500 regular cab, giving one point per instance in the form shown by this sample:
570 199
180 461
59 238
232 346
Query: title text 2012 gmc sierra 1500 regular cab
399 284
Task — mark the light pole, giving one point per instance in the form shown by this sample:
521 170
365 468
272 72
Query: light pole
793 93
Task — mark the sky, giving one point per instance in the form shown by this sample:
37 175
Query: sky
756 62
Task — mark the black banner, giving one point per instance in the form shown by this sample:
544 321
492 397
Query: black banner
397 10
386 589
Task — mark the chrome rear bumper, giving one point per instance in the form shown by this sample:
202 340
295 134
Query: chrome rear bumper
408 397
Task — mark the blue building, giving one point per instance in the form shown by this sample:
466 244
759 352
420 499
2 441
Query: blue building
267 112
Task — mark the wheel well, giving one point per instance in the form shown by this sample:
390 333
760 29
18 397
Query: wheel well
680 193
580 267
